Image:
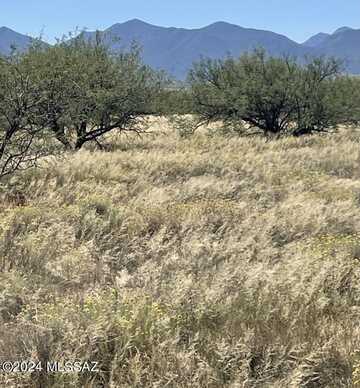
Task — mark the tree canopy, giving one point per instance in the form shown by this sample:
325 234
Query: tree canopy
273 95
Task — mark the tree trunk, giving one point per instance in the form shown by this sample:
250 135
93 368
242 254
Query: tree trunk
81 135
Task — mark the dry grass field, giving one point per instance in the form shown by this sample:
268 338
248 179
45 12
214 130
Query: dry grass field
197 262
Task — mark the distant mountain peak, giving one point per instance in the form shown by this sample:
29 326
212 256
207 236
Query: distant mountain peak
222 26
316 40
342 29
7 29
133 24
135 21
220 23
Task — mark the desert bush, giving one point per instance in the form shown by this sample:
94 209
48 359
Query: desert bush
348 92
175 100
273 95
23 137
75 92
88 91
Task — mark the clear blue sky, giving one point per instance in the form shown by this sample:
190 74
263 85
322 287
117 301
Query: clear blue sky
298 19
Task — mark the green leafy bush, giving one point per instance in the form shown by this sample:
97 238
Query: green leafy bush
89 91
274 95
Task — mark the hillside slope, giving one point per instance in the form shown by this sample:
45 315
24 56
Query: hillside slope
9 38
344 44
316 40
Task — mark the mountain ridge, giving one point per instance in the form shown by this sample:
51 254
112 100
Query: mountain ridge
10 38
175 49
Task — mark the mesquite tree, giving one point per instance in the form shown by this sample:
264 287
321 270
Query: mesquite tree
273 95
89 91
23 138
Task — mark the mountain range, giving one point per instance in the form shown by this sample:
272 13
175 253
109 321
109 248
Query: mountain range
175 49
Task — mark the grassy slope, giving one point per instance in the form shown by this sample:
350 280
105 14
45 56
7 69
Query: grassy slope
204 262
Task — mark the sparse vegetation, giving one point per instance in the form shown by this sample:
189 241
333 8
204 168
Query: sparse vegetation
196 262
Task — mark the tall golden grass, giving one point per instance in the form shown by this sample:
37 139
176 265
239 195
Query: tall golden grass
197 262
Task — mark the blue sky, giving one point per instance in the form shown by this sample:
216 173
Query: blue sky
298 19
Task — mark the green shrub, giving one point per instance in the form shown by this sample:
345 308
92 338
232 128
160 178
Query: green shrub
273 95
89 91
